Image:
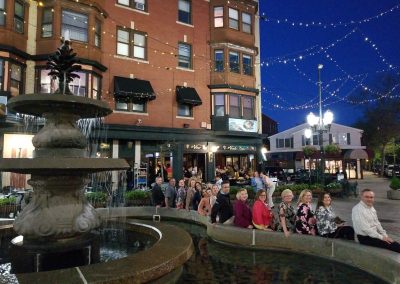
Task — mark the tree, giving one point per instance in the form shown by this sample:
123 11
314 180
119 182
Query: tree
381 117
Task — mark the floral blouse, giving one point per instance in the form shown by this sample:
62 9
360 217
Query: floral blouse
287 211
305 220
325 220
181 197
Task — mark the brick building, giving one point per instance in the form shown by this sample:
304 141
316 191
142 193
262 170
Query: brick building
179 74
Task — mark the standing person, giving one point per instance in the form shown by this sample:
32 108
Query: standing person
262 214
190 194
241 210
327 221
218 181
287 214
205 205
170 194
197 196
157 194
223 206
257 182
305 219
181 195
269 186
367 226
214 193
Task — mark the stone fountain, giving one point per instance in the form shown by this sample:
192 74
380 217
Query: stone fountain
57 222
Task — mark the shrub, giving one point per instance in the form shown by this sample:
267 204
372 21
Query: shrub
309 150
137 195
8 201
97 196
332 149
395 183
297 188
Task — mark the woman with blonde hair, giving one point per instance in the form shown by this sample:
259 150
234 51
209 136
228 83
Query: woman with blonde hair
305 218
287 213
241 210
262 214
204 208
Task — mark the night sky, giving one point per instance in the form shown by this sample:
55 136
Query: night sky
355 41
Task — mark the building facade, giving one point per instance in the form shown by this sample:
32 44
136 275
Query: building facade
180 76
287 149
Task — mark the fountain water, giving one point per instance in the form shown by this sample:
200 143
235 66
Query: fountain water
58 220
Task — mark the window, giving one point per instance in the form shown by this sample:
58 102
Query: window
305 141
76 24
344 138
19 13
289 142
218 60
15 80
248 107
184 11
246 23
185 110
233 19
97 33
234 106
1 74
131 43
280 143
218 17
219 105
2 13
348 139
96 87
234 61
122 104
315 140
79 86
47 22
135 4
185 55
247 65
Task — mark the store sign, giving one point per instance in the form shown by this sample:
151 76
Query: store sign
237 148
195 147
243 125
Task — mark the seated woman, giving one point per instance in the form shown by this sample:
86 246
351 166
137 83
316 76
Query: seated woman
241 210
287 214
305 219
204 208
262 214
327 221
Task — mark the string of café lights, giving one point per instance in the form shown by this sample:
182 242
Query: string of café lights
325 25
311 51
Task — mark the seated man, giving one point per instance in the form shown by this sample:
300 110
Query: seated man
366 225
222 207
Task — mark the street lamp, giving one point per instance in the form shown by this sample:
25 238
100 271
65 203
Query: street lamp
319 124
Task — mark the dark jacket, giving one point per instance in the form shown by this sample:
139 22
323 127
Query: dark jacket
222 208
157 195
196 200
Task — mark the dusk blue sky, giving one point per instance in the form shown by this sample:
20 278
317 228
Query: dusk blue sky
290 91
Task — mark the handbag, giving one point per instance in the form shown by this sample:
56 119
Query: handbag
338 220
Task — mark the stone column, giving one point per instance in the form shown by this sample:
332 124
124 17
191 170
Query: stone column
31 48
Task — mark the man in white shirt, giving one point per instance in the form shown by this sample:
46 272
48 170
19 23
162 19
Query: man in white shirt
366 225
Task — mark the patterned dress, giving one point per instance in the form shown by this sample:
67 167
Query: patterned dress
287 211
325 220
305 220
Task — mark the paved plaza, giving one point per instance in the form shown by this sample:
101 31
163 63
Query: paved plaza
388 210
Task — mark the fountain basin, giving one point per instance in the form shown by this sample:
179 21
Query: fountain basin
39 104
60 165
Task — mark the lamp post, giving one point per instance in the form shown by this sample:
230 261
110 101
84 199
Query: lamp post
319 124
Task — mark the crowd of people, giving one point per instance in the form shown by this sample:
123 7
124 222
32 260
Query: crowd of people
213 200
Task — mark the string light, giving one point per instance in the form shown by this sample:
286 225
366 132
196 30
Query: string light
326 24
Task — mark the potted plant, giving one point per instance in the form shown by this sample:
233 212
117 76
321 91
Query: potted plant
395 186
138 198
334 188
332 149
7 206
309 151
98 199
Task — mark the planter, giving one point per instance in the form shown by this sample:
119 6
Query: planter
393 194
5 210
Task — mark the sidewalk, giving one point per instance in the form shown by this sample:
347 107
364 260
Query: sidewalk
388 210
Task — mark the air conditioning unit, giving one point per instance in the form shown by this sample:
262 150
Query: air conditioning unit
139 6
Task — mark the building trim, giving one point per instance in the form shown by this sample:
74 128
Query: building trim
235 87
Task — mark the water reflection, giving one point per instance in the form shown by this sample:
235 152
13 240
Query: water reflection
217 263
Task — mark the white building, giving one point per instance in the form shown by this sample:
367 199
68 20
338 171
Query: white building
287 148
